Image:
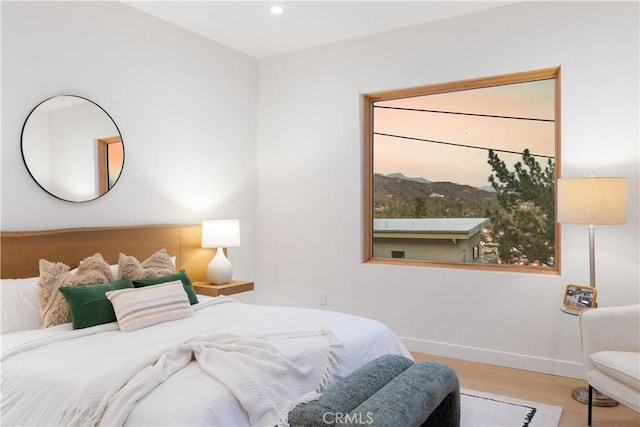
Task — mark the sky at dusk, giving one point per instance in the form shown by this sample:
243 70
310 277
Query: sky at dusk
463 165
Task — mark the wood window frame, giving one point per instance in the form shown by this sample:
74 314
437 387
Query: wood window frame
367 102
103 163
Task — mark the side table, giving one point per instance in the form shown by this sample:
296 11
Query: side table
233 287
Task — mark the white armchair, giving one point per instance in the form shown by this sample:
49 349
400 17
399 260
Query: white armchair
611 353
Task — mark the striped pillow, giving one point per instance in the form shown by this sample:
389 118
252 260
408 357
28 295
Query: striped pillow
141 307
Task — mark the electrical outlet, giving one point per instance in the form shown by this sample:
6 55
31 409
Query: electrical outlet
323 299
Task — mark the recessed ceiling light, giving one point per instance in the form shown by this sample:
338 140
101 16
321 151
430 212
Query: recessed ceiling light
276 10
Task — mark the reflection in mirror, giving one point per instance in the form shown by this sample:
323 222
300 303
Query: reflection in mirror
110 159
463 173
72 148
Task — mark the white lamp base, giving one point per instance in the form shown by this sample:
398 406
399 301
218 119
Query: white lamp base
220 269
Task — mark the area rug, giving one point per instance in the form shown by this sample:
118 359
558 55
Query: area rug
480 409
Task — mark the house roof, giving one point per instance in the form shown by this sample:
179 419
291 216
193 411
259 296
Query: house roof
436 226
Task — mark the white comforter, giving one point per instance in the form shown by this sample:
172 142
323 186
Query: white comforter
43 369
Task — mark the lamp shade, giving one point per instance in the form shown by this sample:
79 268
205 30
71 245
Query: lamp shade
222 233
592 200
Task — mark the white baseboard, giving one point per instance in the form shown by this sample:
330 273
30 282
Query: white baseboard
509 360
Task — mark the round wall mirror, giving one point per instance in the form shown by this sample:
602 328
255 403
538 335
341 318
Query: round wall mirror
72 148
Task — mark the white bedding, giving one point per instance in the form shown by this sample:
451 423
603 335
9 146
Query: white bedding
41 369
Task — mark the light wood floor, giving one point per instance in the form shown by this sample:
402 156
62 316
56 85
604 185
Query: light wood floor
543 388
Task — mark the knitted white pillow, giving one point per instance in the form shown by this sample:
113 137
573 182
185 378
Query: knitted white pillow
54 309
142 307
158 264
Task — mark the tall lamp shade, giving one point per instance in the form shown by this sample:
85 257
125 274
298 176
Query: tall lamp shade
220 234
592 201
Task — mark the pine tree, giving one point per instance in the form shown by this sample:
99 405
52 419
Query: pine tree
525 226
419 207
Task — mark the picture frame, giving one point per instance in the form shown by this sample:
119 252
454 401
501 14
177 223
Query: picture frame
580 297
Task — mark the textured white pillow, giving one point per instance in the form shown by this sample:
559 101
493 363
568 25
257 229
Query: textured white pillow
112 267
19 304
141 307
116 272
54 309
158 264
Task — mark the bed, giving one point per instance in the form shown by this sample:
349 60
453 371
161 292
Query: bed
223 363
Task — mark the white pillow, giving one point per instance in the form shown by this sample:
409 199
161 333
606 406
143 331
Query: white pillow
114 271
138 308
19 304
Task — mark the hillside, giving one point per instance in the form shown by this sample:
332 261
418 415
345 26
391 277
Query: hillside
396 196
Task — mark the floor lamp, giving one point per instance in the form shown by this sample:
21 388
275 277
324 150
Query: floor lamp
592 201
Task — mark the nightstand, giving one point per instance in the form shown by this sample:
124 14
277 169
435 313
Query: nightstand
233 287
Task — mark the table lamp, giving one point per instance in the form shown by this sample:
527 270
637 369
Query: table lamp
220 234
592 201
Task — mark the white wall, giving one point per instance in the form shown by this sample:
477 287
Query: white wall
309 178
185 107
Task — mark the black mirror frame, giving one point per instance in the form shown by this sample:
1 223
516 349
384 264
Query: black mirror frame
24 160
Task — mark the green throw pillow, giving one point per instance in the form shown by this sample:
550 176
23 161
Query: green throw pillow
89 305
180 275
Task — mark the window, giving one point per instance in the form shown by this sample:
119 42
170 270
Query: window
461 168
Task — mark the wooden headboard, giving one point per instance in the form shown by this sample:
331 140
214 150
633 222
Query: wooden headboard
22 250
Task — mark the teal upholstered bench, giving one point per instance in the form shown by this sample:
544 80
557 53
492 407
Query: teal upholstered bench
389 391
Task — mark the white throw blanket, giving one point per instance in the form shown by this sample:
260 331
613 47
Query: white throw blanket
266 383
